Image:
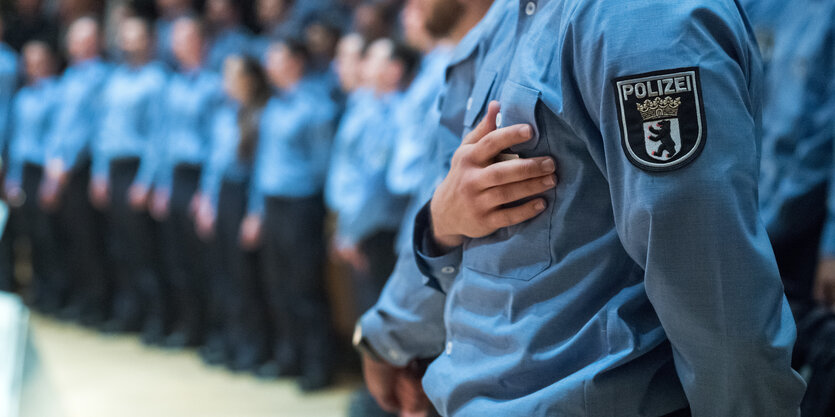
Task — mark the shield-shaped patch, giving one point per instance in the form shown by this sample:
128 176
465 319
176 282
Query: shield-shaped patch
661 118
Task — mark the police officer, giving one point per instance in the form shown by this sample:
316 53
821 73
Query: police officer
32 116
286 214
643 283
193 97
407 307
228 34
796 177
67 178
238 332
132 117
370 214
9 77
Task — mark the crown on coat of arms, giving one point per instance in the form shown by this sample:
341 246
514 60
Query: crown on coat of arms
659 109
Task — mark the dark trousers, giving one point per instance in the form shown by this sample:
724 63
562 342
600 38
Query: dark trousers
293 265
237 312
50 287
83 234
139 298
185 257
380 252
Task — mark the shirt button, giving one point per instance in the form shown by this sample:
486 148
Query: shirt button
499 120
530 8
448 270
469 103
449 348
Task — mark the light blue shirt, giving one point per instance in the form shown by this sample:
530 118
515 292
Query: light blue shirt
294 148
78 117
366 204
233 41
191 102
9 68
224 165
799 124
133 116
33 113
636 292
407 323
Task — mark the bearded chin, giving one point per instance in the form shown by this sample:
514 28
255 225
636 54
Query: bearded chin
443 17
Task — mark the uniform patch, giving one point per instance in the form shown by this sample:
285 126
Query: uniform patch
661 118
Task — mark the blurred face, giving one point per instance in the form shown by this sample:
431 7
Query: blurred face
368 22
187 43
320 40
37 61
414 25
83 39
134 40
442 16
283 69
170 5
270 11
235 82
348 62
28 7
220 12
375 64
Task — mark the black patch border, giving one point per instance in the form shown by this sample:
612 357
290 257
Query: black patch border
625 138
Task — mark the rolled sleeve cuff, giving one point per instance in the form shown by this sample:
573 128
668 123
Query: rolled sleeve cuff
382 342
441 270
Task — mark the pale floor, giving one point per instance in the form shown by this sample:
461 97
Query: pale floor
86 374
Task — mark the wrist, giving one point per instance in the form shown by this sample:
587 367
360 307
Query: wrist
444 240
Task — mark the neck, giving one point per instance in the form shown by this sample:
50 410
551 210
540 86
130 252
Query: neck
474 13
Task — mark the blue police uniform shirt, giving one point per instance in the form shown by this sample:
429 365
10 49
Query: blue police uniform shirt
224 164
407 321
8 84
33 113
192 100
798 128
648 285
133 116
766 18
78 117
369 206
341 187
232 41
294 146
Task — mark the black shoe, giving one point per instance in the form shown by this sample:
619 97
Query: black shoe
273 370
315 379
213 355
153 333
70 313
177 340
245 362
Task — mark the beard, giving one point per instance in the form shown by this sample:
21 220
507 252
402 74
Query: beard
442 17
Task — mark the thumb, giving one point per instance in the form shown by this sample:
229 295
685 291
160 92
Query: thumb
487 124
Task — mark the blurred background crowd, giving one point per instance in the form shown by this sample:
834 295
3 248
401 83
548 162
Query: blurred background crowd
197 172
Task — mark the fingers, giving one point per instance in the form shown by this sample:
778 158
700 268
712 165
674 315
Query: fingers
497 141
509 193
516 170
515 215
487 124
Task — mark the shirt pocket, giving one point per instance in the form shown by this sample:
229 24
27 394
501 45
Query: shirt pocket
520 251
477 101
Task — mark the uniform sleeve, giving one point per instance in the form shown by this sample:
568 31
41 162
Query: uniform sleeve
224 131
255 205
826 119
77 123
14 168
155 153
709 270
406 323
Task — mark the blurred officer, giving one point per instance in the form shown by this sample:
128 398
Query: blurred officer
169 12
766 18
238 333
65 186
405 327
371 214
276 19
32 115
9 74
228 34
29 21
643 284
286 214
193 97
132 118
411 149
796 177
